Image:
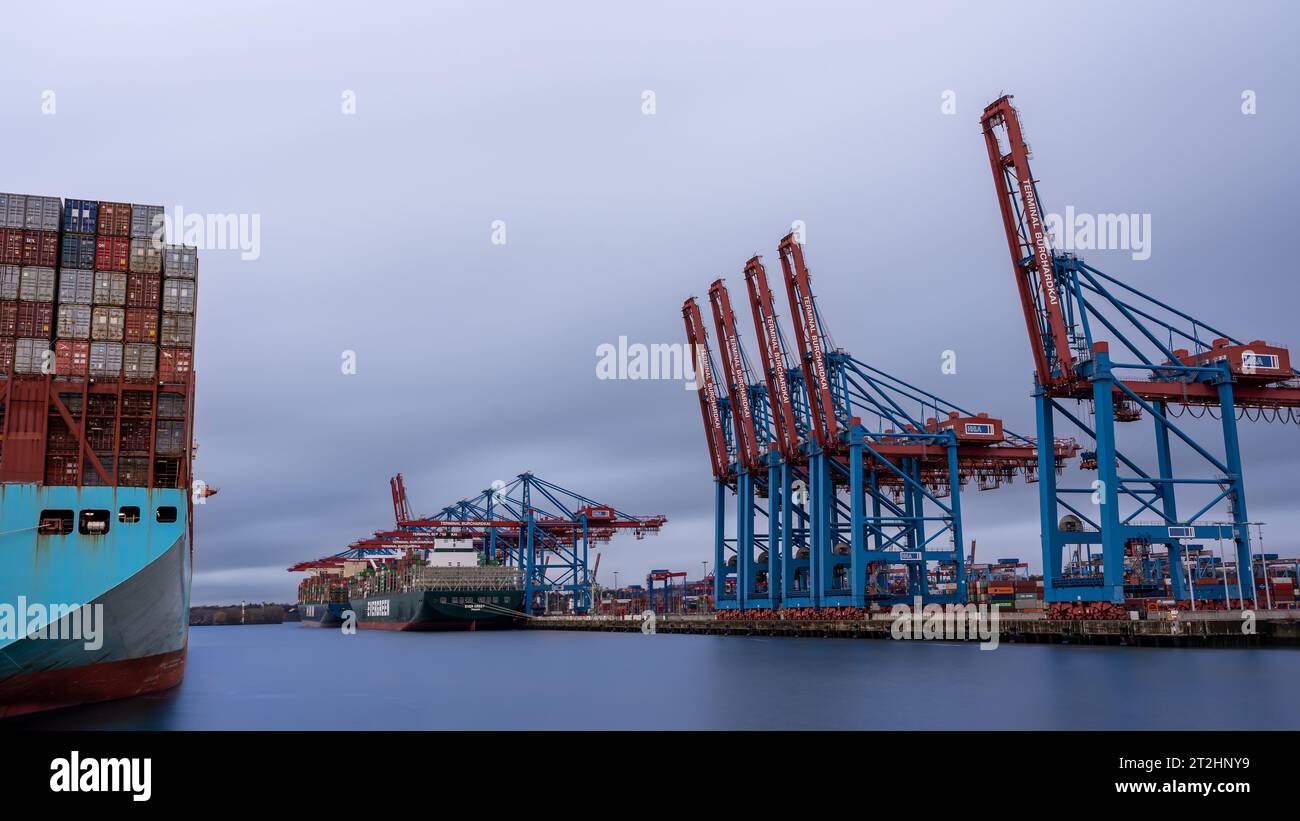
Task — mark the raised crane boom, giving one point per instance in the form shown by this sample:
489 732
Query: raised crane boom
774 372
736 375
1031 252
698 338
807 331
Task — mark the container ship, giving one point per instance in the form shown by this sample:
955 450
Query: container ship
445 586
96 447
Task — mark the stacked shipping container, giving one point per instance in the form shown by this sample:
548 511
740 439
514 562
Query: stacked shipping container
109 291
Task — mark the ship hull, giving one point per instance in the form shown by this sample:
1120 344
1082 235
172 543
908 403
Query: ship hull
322 615
439 610
124 595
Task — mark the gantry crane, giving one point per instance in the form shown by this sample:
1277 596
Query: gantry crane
856 511
529 523
1166 365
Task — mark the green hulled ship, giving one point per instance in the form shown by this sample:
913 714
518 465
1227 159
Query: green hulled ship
420 597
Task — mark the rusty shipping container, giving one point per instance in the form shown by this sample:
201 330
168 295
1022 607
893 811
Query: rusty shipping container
141 326
71 357
41 248
8 318
112 253
11 246
35 319
143 290
174 366
114 219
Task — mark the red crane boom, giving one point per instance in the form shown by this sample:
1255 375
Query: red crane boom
812 353
698 338
733 370
1031 253
769 336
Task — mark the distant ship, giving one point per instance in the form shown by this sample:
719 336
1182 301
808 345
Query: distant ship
449 587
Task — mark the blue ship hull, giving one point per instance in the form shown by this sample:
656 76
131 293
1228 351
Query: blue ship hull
135 577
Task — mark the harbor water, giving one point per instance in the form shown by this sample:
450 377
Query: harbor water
290 677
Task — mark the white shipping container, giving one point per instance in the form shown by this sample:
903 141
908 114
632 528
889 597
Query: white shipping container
36 284
105 358
106 324
180 261
145 220
31 356
110 288
177 330
9 281
145 256
43 213
14 213
178 295
76 287
139 361
73 322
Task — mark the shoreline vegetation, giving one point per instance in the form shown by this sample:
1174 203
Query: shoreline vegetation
249 613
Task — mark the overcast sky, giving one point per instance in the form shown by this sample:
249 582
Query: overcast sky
476 361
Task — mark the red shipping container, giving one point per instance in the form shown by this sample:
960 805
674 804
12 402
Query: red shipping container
141 326
114 220
143 291
11 246
61 470
71 357
9 317
40 248
7 346
174 364
34 319
112 253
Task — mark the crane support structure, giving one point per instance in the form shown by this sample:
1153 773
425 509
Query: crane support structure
1179 485
855 500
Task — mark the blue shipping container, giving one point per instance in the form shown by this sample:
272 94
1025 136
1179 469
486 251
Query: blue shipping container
78 251
79 216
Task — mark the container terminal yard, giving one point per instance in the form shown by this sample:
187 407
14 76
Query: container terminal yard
838 487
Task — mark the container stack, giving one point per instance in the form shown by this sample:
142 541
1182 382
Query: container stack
92 297
29 248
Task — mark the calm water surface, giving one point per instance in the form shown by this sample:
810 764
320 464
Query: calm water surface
288 677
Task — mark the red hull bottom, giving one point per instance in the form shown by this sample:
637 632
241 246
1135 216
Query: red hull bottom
52 689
